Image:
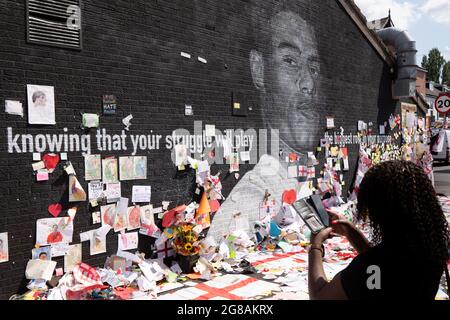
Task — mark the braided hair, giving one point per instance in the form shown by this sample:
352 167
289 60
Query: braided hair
401 204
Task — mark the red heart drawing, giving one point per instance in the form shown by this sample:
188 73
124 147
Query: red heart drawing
55 209
51 160
289 196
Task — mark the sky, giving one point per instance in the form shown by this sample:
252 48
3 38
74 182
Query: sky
427 21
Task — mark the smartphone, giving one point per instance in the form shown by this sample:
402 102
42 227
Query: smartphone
311 211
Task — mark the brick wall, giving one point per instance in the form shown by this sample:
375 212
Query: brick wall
132 49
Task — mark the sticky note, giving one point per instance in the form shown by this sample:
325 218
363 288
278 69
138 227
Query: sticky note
42 175
38 165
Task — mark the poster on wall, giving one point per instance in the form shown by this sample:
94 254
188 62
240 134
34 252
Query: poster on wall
109 104
92 167
134 218
128 241
109 170
54 230
120 221
73 257
76 191
140 168
4 252
133 168
108 214
97 243
126 166
41 104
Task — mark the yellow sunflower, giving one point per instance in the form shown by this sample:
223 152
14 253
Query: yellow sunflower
188 246
186 228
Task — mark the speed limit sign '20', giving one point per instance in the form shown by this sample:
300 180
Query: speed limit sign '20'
442 103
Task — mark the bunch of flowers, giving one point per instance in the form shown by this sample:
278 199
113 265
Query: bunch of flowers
186 240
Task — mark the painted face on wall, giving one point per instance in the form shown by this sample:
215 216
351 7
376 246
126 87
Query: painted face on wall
287 76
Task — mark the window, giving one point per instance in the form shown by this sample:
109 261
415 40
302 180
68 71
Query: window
54 23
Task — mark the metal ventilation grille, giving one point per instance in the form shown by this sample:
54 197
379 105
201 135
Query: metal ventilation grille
47 23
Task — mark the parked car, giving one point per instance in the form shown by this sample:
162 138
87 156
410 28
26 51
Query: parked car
444 153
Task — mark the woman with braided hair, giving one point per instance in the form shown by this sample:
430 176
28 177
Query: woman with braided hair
410 239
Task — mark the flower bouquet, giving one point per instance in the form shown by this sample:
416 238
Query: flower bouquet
187 246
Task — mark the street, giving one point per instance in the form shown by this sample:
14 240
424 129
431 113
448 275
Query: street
442 178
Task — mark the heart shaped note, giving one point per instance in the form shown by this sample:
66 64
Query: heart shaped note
55 209
289 196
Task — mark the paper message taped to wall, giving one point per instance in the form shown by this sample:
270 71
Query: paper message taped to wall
40 269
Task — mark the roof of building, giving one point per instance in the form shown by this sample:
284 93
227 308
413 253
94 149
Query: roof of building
360 20
381 23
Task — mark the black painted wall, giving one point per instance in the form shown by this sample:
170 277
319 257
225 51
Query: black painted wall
132 49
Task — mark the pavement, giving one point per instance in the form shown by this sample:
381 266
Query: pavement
442 178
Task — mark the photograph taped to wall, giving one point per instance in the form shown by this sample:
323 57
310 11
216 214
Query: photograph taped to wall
54 230
4 249
42 253
109 170
92 167
41 104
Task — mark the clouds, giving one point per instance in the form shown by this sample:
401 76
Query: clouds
437 10
407 12
403 13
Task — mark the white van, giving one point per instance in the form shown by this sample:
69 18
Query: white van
444 153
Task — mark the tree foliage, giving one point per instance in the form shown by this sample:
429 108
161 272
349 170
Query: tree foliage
433 63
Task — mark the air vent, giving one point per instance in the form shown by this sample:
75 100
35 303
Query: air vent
54 23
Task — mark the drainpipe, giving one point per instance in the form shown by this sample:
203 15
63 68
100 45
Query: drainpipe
405 84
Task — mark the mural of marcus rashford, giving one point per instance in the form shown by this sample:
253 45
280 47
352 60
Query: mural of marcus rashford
285 69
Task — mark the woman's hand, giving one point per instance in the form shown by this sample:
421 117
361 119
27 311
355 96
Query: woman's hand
340 226
319 238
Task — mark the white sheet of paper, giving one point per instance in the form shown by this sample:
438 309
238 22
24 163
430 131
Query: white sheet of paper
141 194
36 156
38 165
59 249
128 241
113 192
210 130
14 107
40 269
226 147
203 166
304 191
245 155
95 190
330 123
